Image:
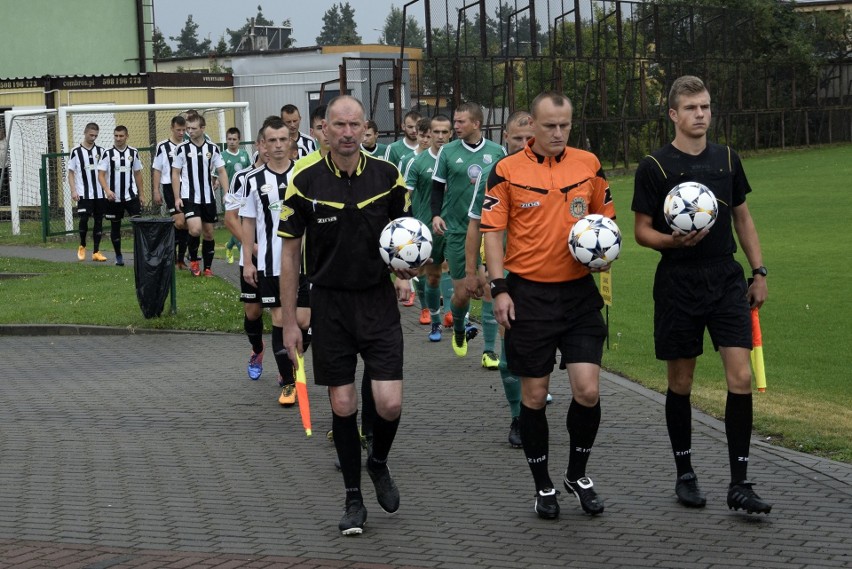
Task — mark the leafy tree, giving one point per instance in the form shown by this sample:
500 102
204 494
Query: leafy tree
339 27
187 41
222 46
415 36
236 36
162 50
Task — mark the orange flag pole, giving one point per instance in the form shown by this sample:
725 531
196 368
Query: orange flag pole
757 352
302 395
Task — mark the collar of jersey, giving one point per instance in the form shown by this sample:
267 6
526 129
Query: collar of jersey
476 146
362 162
538 157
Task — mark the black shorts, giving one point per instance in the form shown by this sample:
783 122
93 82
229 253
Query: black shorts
95 206
346 323
169 199
689 298
116 210
270 291
550 316
248 294
205 211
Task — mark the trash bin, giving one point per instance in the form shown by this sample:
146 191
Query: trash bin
153 262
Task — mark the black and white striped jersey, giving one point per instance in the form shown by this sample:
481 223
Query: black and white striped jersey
119 166
236 196
84 163
264 194
196 164
306 145
163 159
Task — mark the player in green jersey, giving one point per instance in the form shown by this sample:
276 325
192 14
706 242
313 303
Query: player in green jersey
458 166
371 144
236 159
408 142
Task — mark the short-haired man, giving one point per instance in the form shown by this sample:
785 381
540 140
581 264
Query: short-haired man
348 197
194 161
549 301
86 190
236 158
459 164
699 284
264 193
293 119
120 175
408 142
371 144
162 177
418 179
517 133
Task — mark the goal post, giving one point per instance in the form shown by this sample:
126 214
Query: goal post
47 136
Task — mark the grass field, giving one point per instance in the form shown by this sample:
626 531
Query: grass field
798 204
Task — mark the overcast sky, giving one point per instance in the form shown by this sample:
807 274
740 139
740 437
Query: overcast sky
213 16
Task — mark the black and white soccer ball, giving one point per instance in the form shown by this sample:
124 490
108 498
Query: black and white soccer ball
405 243
595 241
690 206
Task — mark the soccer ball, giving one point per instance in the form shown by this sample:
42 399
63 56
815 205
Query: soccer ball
595 241
690 206
405 243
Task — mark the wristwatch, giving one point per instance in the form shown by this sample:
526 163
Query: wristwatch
759 271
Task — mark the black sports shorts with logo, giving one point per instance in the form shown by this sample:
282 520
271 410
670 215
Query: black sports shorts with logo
550 316
690 298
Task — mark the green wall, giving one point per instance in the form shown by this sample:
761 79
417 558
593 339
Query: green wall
70 37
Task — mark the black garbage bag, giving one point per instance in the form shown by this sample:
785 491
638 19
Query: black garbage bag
153 262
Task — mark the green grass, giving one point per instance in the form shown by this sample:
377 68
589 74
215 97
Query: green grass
105 295
798 202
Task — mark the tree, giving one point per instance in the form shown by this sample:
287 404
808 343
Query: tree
161 49
415 36
187 41
339 27
237 36
222 46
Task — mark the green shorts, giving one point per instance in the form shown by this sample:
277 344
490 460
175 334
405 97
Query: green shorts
454 253
438 246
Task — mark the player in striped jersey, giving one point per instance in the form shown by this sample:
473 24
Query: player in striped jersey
86 190
253 319
191 175
264 192
293 118
120 175
162 175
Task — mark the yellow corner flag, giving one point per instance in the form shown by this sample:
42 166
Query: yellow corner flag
606 287
757 352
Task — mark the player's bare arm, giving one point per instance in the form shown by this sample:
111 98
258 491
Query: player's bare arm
176 189
248 228
223 176
137 177
472 279
107 190
155 187
504 307
72 185
750 243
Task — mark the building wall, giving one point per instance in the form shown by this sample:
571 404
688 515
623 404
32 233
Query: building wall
81 37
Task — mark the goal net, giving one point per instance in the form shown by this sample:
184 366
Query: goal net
40 142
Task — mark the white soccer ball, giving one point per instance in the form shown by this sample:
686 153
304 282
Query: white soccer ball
405 243
595 241
690 206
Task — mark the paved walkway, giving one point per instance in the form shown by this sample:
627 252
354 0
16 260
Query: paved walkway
156 451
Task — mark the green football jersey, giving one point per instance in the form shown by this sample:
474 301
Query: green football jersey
459 166
235 162
475 209
378 151
396 150
406 159
418 180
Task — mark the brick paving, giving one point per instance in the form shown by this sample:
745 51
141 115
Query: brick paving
156 451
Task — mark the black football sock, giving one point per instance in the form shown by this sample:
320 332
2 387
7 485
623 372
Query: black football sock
285 366
254 331
384 432
193 243
208 249
83 228
115 235
97 233
582 423
368 406
535 434
738 423
182 238
348 445
679 425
